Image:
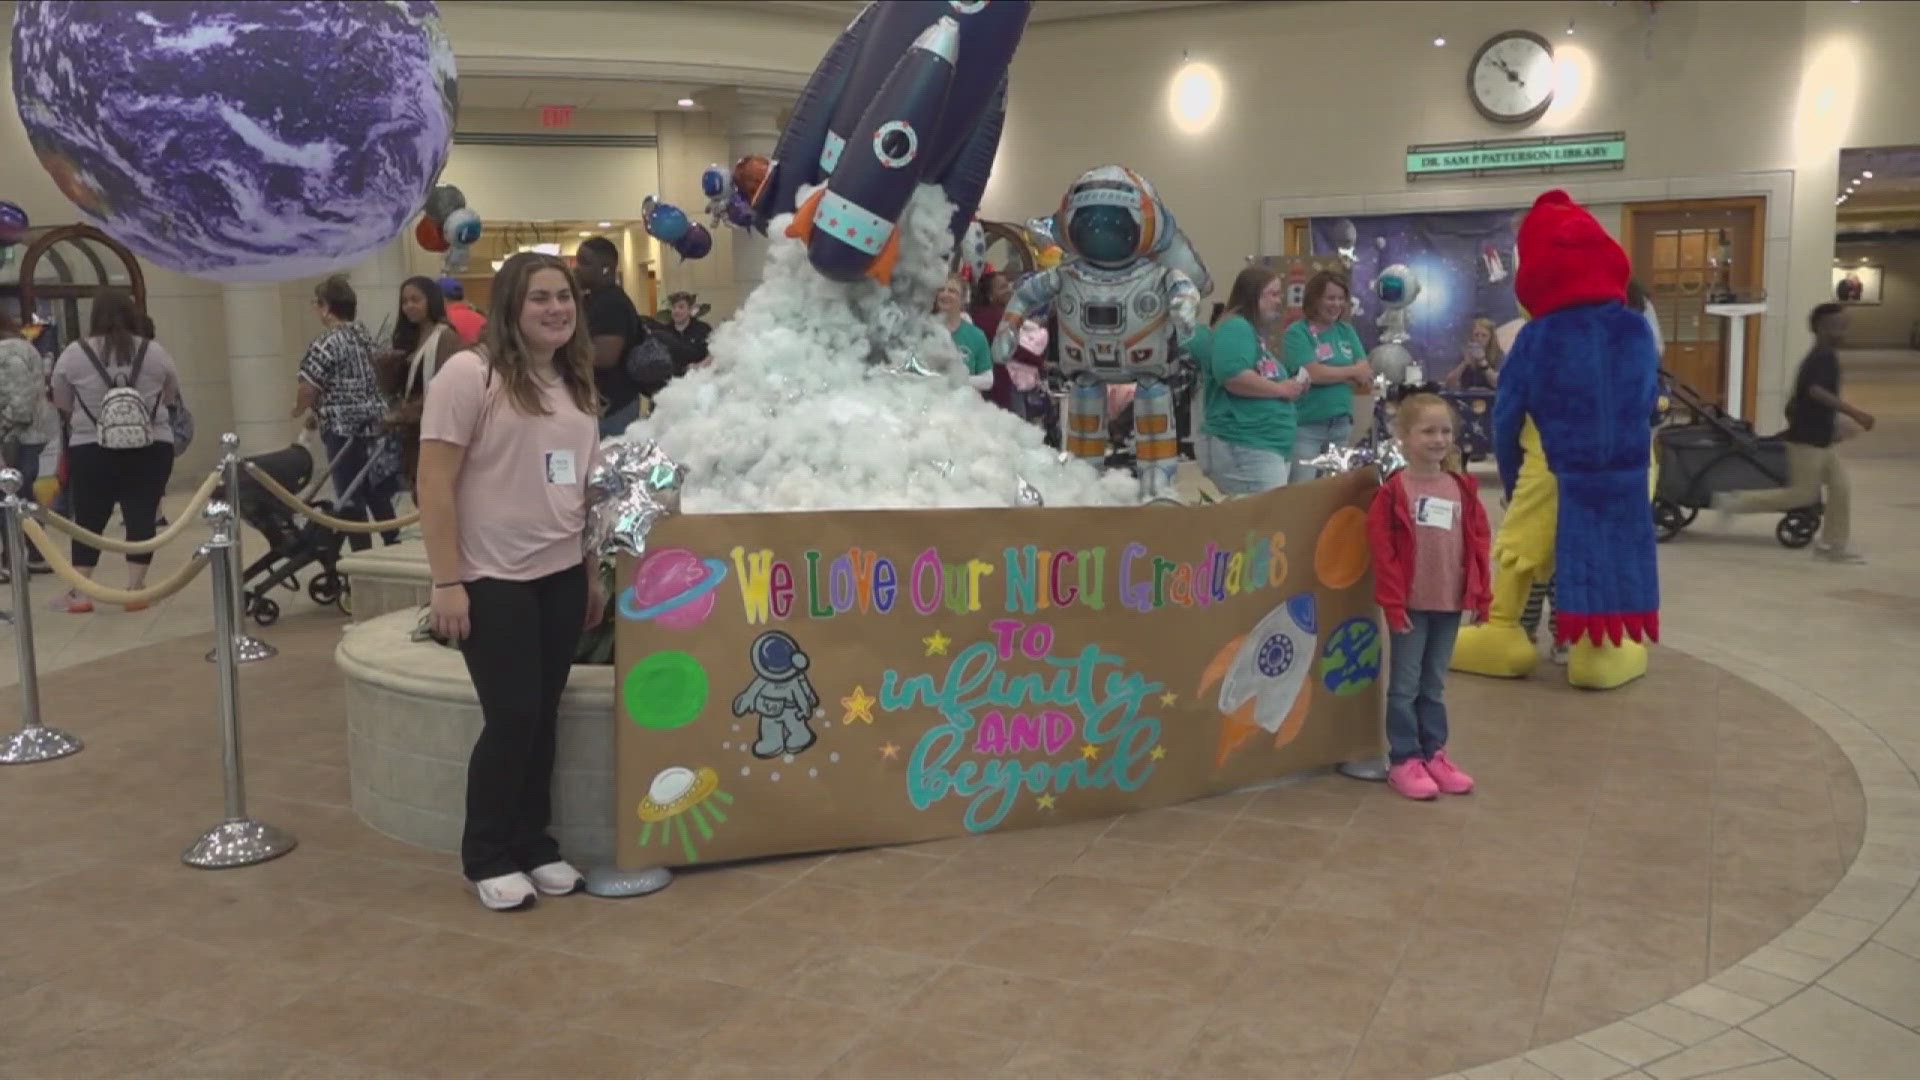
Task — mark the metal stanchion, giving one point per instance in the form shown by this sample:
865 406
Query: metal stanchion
246 648
34 741
239 840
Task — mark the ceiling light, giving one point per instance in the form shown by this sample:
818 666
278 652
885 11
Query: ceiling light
1195 97
685 103
606 224
1867 173
1438 42
584 233
1569 27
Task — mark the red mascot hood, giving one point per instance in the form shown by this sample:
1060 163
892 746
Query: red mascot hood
1566 258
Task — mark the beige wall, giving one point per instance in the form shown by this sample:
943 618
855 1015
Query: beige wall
1890 322
1323 99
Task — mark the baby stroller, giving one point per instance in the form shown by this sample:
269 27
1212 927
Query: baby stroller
292 545
1702 451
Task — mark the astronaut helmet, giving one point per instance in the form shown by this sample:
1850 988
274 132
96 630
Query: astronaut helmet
775 655
1396 287
1110 216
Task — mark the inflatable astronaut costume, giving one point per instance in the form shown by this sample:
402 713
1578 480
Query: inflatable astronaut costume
1126 300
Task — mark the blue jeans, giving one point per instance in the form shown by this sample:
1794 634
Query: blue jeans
1417 685
1240 470
615 422
1311 438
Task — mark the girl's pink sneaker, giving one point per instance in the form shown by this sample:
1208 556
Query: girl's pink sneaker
1410 778
1447 776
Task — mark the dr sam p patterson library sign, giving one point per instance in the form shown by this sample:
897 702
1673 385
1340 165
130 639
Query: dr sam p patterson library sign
1560 153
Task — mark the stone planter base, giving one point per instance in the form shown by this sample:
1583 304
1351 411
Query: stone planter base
411 722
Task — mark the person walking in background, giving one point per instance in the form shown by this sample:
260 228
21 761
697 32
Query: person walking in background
466 322
1430 541
507 440
337 385
1247 443
614 327
1813 429
423 342
1325 347
28 420
950 305
114 386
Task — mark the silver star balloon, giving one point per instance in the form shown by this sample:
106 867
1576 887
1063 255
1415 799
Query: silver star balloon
634 485
1028 495
1334 460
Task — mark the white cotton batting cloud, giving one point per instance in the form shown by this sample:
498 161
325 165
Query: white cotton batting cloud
802 410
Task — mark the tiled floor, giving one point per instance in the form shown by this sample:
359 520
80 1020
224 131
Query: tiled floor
1747 813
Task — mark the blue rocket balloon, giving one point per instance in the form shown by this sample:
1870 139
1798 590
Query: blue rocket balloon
912 92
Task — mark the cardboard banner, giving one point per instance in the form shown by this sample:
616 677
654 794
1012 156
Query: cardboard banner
811 681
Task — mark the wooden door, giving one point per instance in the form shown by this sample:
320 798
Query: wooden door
1689 254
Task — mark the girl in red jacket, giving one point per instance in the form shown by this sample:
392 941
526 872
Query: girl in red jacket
1429 537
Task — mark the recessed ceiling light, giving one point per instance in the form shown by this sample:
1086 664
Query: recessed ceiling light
1868 173
685 103
585 233
606 224
1439 41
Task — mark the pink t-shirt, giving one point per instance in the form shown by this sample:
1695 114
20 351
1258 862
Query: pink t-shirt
1439 543
522 491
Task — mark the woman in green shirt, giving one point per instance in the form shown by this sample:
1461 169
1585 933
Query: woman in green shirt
1246 444
950 305
1325 346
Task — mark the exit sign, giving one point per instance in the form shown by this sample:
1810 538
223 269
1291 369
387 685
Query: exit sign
556 116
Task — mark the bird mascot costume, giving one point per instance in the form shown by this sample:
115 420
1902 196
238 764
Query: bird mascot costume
1571 435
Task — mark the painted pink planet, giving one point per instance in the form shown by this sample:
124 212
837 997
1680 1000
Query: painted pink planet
675 588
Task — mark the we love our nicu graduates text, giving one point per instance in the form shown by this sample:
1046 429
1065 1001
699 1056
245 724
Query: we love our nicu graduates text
1023 580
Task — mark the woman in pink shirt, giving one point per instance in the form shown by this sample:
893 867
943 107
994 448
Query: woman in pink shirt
506 438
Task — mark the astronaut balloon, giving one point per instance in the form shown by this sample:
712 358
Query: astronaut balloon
1396 287
1125 301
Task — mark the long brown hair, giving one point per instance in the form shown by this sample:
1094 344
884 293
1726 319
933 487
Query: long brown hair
117 320
1244 298
506 354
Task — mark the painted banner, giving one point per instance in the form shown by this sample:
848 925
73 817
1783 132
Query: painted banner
812 681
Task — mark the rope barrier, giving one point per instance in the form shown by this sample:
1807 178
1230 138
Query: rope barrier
294 503
64 570
182 518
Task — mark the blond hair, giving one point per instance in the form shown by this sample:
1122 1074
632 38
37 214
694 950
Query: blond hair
1409 410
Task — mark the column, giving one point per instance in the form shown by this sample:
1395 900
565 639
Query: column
376 283
259 379
753 127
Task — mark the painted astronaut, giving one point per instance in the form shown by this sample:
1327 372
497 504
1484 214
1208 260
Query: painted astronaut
1126 299
780 694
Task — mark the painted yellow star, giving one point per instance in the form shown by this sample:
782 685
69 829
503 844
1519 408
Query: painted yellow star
1045 801
859 706
1159 752
1167 699
889 751
1090 752
937 644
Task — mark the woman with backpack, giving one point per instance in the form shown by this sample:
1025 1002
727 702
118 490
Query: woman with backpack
113 386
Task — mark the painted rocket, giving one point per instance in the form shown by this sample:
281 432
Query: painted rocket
913 92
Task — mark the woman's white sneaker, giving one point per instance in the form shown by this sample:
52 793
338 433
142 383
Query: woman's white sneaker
508 892
557 878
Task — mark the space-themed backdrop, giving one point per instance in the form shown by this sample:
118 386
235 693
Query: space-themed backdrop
811 681
1463 261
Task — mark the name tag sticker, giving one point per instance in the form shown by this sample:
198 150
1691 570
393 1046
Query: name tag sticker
1434 512
560 468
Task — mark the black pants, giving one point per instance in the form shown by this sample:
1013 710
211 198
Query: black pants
373 501
134 480
519 653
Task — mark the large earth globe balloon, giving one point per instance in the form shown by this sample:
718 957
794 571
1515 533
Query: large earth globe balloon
239 141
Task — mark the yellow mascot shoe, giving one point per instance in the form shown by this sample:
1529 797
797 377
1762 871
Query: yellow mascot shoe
1498 650
1604 667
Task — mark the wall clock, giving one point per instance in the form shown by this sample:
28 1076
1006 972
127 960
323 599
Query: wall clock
1511 77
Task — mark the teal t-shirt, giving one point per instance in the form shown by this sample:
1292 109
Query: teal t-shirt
1263 423
973 345
1337 346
